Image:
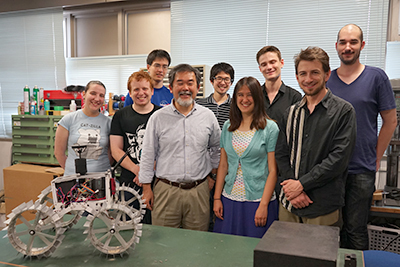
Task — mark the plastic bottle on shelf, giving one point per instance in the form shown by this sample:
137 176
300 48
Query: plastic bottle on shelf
21 108
26 99
72 106
35 93
41 102
46 105
36 98
33 107
41 93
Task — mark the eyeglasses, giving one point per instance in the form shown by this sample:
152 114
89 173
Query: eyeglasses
220 79
158 66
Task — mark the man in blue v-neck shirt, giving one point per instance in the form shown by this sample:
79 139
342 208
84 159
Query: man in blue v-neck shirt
368 89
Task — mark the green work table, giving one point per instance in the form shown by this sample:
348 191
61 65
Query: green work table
158 246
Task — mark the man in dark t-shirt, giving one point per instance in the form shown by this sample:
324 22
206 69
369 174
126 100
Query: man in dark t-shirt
278 96
128 127
368 89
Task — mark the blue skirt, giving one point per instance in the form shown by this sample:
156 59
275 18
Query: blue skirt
239 218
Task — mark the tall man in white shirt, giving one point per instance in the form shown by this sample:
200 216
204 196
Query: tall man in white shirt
178 138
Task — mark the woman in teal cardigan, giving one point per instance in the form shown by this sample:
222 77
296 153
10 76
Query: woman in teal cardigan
244 200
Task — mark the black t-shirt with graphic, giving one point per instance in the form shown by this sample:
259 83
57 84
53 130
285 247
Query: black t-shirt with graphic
131 126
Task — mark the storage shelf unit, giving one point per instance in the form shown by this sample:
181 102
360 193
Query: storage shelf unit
33 138
205 86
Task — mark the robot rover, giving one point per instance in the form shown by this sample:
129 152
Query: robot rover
113 220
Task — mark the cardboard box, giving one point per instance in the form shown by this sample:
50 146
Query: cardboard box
24 182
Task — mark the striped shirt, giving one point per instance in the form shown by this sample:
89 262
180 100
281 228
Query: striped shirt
221 112
315 149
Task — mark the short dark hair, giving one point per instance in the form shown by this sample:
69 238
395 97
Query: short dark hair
183 68
259 114
361 32
222 66
94 82
266 49
311 54
158 53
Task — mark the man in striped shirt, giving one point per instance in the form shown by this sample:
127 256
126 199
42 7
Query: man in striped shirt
221 77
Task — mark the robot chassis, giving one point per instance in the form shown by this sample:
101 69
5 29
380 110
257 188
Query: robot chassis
113 224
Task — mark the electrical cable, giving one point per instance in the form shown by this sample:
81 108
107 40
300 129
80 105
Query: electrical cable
391 241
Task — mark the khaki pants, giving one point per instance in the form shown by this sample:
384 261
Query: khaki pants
186 208
331 219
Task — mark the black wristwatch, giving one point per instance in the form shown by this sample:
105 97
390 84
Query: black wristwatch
213 176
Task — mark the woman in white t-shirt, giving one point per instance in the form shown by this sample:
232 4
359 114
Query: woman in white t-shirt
86 127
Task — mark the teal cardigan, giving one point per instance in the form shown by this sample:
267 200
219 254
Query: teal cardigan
254 160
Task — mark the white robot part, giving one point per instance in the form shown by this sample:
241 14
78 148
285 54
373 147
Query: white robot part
113 220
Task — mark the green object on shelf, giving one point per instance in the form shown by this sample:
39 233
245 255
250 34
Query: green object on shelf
58 108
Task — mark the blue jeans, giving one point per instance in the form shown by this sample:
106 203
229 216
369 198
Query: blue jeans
358 198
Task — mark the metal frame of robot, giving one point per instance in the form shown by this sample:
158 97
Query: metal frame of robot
113 225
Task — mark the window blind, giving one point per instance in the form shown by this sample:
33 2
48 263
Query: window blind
392 60
207 31
113 71
32 53
316 23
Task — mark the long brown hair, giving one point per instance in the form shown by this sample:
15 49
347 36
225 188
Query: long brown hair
259 114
